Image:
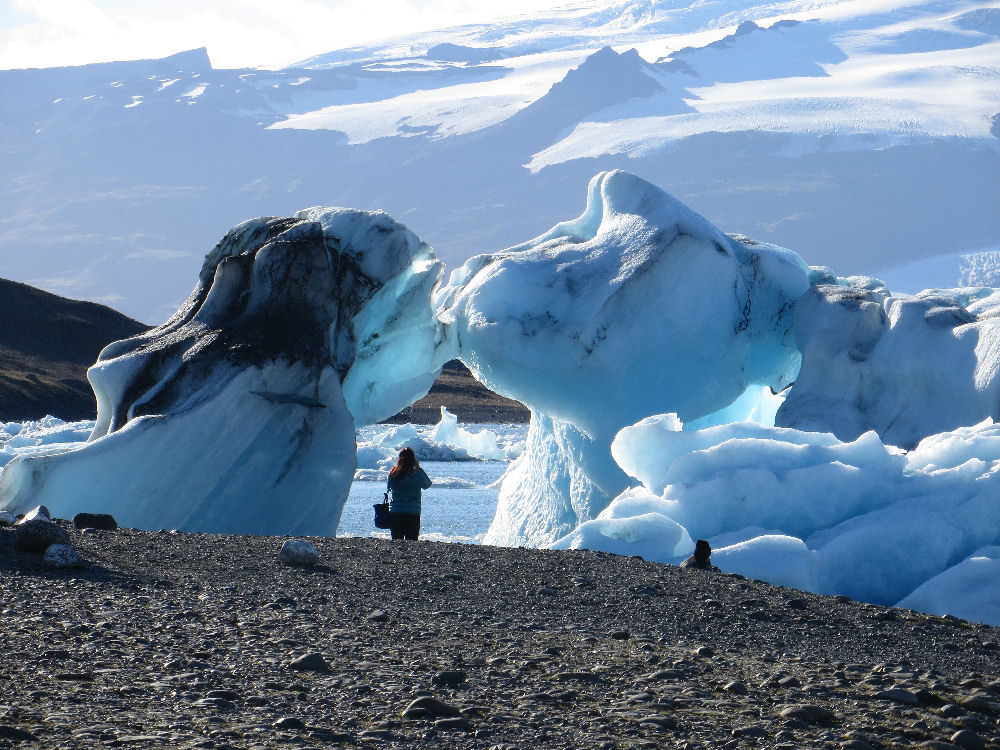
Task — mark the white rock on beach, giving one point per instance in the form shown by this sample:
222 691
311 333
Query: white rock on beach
298 552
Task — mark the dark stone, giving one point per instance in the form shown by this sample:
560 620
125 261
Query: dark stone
968 739
433 707
101 521
310 663
450 678
290 724
452 722
74 676
36 536
220 704
229 695
18 735
808 713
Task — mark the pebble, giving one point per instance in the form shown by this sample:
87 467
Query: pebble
61 557
427 705
18 735
968 739
312 662
452 722
809 713
898 695
290 724
450 678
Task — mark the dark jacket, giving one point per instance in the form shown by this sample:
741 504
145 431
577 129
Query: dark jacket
405 492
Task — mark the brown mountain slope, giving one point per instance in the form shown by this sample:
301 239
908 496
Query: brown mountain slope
47 343
465 397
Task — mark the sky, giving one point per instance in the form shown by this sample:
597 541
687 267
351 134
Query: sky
237 33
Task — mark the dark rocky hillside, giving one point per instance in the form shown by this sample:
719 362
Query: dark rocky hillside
465 397
47 343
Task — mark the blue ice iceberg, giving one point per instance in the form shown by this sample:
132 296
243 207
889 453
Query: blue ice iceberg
238 414
638 307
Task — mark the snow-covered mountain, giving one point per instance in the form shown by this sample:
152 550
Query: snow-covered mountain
864 135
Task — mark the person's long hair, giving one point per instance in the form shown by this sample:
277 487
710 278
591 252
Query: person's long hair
406 464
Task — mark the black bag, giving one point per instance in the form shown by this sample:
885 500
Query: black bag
382 513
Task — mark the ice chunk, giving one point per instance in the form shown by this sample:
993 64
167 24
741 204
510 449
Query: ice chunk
650 535
970 589
777 558
807 510
483 444
238 414
906 367
637 307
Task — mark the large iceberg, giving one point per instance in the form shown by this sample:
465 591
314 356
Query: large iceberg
238 414
637 307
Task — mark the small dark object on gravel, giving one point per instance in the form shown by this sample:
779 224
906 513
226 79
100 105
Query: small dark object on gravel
100 521
453 722
450 678
18 735
968 739
290 723
74 676
432 706
313 662
36 536
809 713
620 635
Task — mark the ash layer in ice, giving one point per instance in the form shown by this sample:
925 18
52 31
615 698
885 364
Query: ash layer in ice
238 414
638 307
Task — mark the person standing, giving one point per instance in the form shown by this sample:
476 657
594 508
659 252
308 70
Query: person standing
405 483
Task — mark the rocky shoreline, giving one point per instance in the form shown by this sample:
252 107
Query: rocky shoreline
208 641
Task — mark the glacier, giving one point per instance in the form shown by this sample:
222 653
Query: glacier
238 414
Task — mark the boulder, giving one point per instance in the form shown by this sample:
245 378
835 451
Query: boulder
102 521
37 535
38 513
298 552
60 557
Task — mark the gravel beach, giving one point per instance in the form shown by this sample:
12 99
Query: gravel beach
208 641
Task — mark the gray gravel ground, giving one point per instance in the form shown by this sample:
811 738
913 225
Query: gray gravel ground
207 641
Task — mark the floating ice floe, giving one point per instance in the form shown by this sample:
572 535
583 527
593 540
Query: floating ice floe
379 446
